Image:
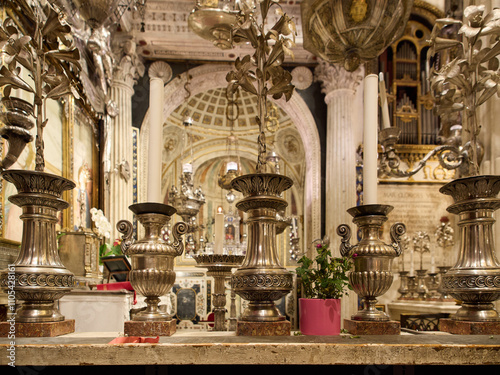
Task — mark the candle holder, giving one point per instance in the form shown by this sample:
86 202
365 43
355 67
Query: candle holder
403 289
433 284
412 286
449 156
261 279
40 278
152 260
421 287
372 275
219 267
475 278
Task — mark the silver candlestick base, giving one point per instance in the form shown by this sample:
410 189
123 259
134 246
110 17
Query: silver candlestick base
219 267
421 288
40 278
261 279
403 287
475 278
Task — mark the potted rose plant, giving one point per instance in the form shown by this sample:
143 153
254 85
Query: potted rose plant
324 281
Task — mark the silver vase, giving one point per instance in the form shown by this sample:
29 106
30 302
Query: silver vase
152 258
475 278
261 279
40 277
372 275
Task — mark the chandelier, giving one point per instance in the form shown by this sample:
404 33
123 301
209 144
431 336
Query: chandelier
188 200
98 13
352 32
213 20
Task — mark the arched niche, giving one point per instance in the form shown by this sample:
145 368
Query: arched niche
209 77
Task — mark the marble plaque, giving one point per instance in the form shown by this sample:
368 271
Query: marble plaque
420 207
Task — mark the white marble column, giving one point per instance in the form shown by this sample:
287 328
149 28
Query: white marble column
343 135
120 186
159 74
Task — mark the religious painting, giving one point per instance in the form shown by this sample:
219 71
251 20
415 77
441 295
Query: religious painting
81 166
230 232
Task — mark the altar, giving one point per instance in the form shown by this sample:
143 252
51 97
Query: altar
225 348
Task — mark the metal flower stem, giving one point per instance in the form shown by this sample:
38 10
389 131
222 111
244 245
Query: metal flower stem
470 114
261 99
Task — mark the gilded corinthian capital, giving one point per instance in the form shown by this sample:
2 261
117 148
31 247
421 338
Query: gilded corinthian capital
334 77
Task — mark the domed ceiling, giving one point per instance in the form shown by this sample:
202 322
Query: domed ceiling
206 139
208 110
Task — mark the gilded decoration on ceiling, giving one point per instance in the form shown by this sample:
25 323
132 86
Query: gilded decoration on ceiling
358 10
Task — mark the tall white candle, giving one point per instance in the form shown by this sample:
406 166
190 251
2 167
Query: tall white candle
159 74
155 140
370 139
219 231
386 123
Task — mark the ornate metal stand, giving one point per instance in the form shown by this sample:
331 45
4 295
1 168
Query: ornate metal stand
403 287
421 288
261 279
475 278
433 284
232 312
40 276
412 286
187 203
372 275
219 267
152 258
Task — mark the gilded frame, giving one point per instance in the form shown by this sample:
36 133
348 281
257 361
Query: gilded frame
76 115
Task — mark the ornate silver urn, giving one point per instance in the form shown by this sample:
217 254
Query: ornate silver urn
40 277
261 279
372 275
152 257
475 278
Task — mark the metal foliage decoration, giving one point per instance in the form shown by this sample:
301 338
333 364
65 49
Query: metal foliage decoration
261 74
44 48
471 77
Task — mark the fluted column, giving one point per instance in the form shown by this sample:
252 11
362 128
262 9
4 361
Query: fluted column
339 87
159 74
120 184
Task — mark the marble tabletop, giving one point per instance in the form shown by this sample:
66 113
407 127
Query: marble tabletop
190 347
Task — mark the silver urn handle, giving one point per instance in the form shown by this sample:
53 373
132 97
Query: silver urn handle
344 231
397 232
178 230
126 228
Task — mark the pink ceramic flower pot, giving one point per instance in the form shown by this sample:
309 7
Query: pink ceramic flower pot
319 316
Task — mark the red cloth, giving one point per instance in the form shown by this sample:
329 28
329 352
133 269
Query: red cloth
134 340
118 286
